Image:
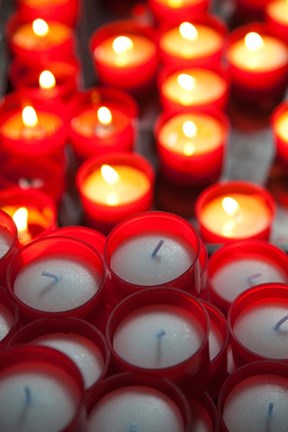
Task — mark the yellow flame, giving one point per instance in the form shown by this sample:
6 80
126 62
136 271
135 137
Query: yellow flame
186 82
40 27
122 44
175 3
188 31
109 174
20 218
29 116
253 41
104 116
189 129
230 206
47 80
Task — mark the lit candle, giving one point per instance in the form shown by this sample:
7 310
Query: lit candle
125 55
20 218
235 210
191 146
277 18
195 87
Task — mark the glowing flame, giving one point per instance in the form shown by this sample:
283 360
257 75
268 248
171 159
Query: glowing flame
104 117
109 174
40 27
188 31
230 206
29 117
20 218
253 41
186 82
175 3
47 80
189 129
122 44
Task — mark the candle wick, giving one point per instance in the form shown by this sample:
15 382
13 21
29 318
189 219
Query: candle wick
157 248
51 275
160 334
250 279
28 395
280 322
270 410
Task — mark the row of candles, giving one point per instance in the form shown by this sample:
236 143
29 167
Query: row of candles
146 285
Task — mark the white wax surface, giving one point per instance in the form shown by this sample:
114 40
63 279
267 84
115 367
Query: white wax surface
133 262
135 409
79 282
254 327
5 241
50 405
201 421
6 321
81 350
158 336
237 276
215 340
246 408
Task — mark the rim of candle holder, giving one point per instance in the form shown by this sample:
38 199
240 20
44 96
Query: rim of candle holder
162 12
8 303
8 223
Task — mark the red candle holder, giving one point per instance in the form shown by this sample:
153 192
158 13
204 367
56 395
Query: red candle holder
234 205
9 243
108 199
52 332
40 214
130 66
279 122
45 176
203 412
9 318
127 322
193 88
66 11
89 136
191 146
124 383
269 378
57 44
251 262
218 337
93 238
254 78
161 227
26 369
198 44
163 11
247 10
250 307
46 138
46 252
276 13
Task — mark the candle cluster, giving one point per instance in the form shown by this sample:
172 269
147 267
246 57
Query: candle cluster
113 317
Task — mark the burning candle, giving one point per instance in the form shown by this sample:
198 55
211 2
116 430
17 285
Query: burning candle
114 186
171 10
192 88
164 250
239 266
39 385
66 11
198 43
45 276
276 13
234 210
191 146
125 55
258 324
280 132
264 383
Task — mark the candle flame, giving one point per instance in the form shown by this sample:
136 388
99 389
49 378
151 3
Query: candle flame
175 3
20 218
47 80
122 44
230 206
189 129
109 174
104 116
253 41
186 82
29 116
188 31
40 27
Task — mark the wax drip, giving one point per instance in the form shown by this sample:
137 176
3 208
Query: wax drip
51 275
280 322
250 279
157 248
28 395
270 410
